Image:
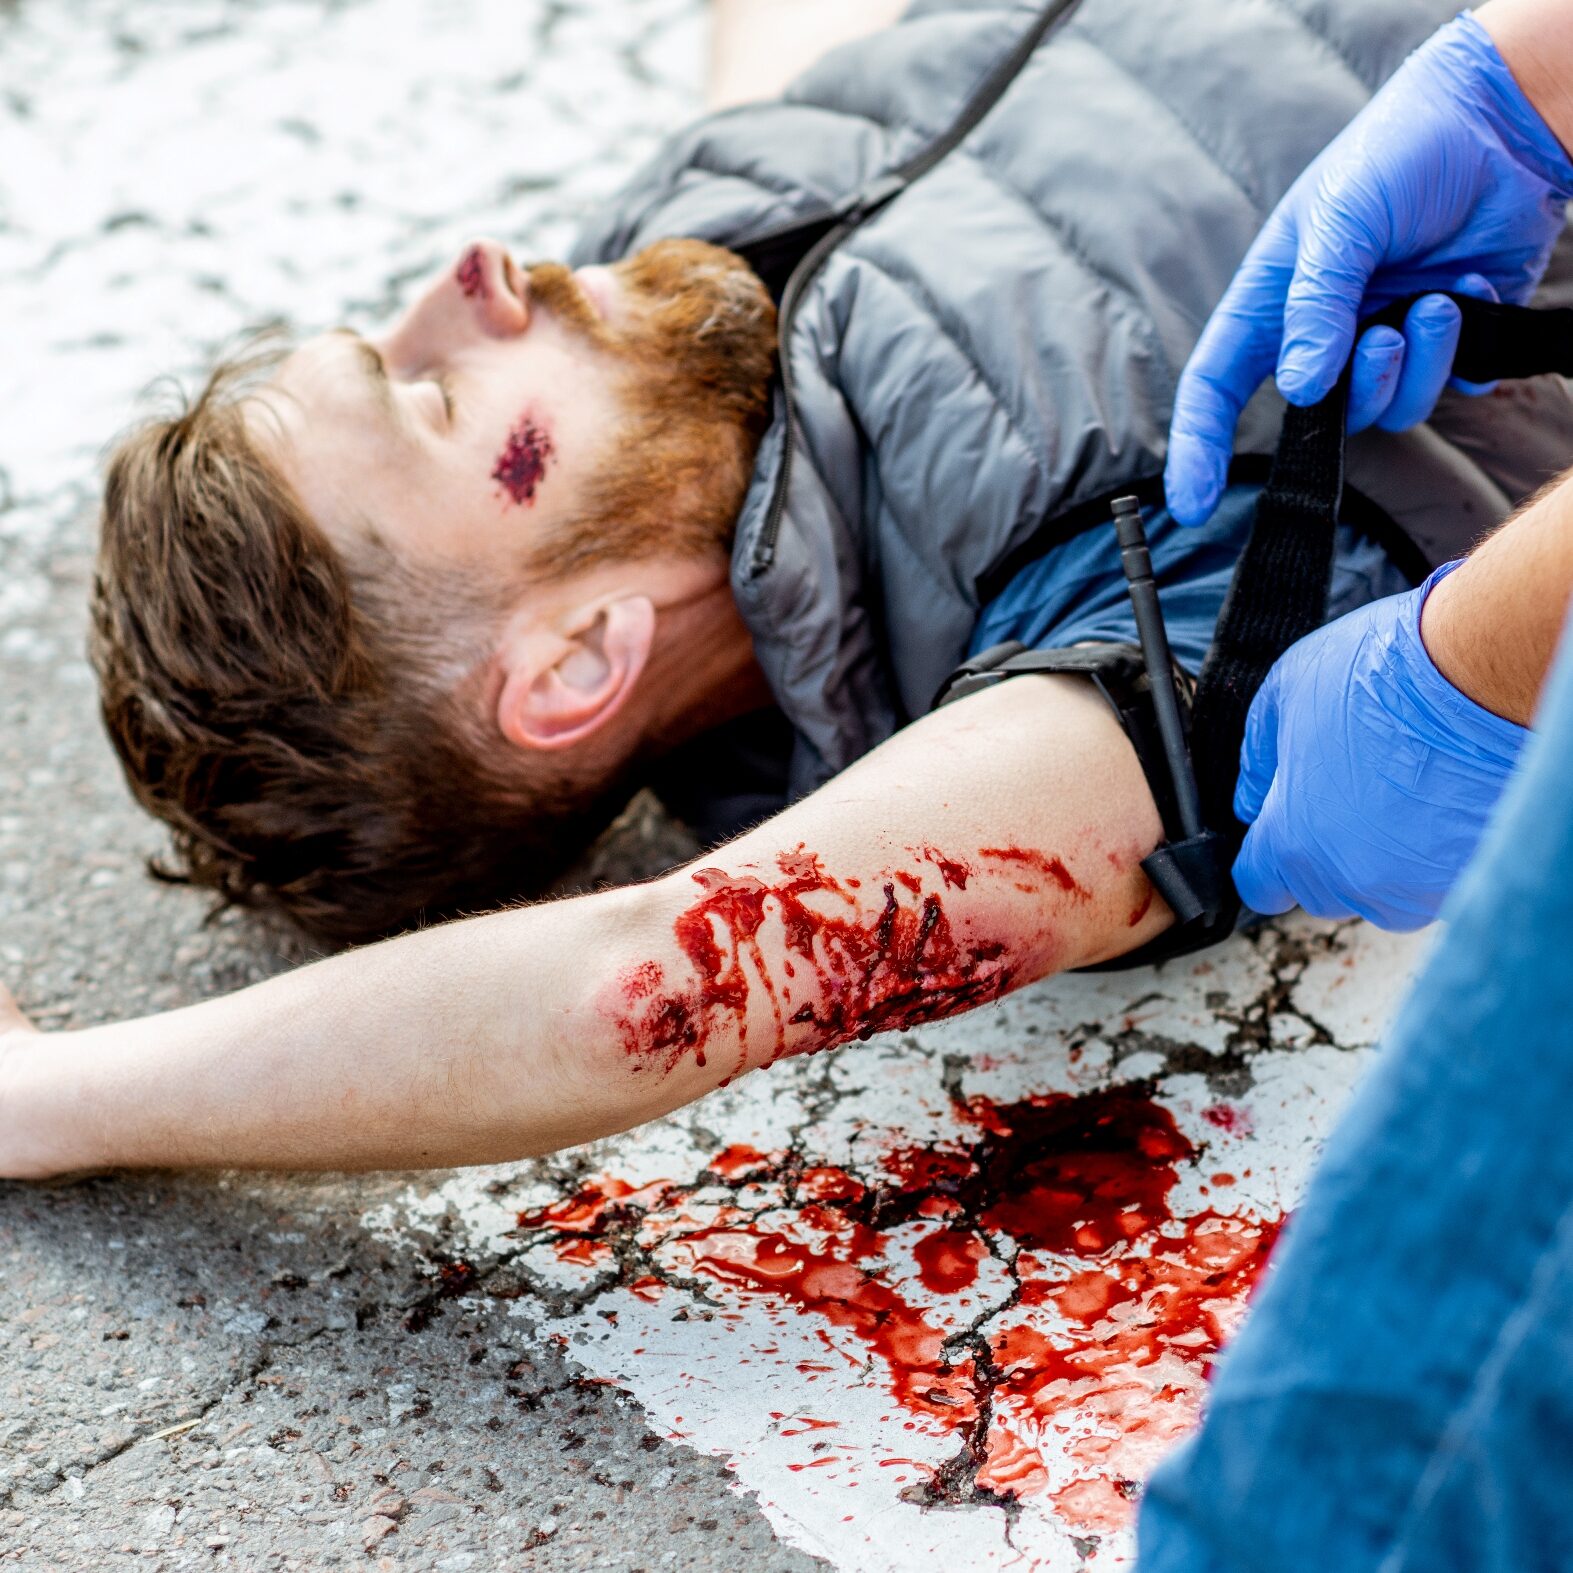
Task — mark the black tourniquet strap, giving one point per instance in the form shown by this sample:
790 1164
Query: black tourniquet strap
1500 343
1278 594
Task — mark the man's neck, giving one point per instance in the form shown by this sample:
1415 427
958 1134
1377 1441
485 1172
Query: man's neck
702 672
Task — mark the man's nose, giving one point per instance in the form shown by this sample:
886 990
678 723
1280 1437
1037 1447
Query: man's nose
481 295
496 291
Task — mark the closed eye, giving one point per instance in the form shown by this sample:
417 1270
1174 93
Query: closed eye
376 370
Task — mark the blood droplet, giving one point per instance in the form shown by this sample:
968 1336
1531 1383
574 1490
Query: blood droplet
1228 1117
948 1260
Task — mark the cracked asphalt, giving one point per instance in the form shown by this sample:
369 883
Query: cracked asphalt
565 1365
229 1373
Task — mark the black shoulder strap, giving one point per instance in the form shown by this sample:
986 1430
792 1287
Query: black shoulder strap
1498 342
1279 590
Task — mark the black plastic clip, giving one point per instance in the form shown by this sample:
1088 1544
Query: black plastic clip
1191 874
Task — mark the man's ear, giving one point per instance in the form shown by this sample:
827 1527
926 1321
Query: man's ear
561 687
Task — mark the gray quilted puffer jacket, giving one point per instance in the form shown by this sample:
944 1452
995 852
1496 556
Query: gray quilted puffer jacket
979 353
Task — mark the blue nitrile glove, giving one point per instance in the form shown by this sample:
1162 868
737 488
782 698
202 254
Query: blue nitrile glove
1447 180
1366 776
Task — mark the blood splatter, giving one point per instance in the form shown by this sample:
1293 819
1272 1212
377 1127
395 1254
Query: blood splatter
456 1276
586 1211
739 1161
1228 1117
1041 863
582 1253
1141 909
1095 1502
863 968
948 1259
825 1283
1085 1174
1072 1195
828 1184
953 871
470 275
521 466
807 1423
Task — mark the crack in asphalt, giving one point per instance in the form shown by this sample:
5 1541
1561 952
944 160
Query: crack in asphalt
246 1378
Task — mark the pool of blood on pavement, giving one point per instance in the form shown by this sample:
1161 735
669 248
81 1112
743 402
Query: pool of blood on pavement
1120 1309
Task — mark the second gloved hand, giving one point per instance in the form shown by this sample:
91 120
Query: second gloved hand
1366 777
1448 180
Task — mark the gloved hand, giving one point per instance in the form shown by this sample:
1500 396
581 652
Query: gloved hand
1366 776
1448 180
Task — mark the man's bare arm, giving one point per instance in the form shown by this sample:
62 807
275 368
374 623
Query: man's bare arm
1492 625
984 847
1535 38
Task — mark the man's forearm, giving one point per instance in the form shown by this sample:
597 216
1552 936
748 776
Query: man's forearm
1492 626
1535 38
461 1045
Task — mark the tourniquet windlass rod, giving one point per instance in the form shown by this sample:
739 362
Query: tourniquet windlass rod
1137 563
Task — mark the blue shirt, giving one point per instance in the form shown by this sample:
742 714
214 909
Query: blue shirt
1076 592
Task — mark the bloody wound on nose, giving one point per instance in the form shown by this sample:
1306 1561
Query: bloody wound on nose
470 275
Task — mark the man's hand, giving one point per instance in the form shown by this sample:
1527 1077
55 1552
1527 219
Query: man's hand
22 1154
1448 180
1366 776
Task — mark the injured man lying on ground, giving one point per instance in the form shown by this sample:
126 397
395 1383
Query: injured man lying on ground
835 398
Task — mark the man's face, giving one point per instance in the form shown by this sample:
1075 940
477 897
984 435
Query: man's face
480 422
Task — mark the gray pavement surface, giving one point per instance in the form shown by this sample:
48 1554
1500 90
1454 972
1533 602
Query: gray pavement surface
231 1372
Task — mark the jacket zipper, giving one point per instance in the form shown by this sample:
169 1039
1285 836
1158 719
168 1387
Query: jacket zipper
857 211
